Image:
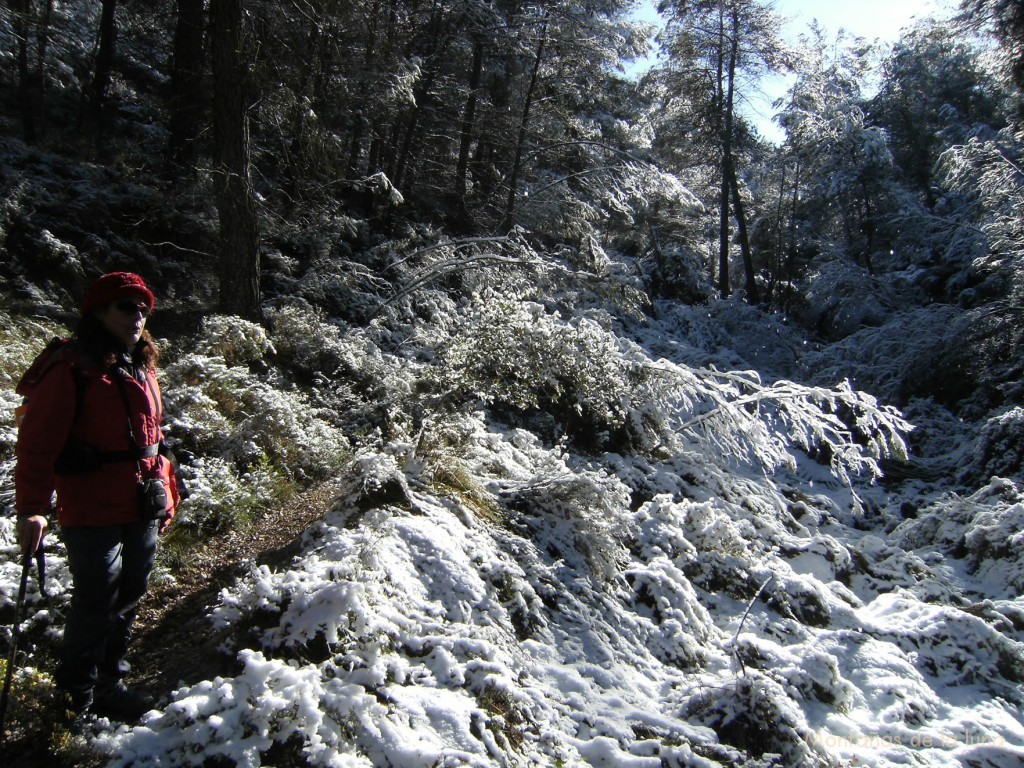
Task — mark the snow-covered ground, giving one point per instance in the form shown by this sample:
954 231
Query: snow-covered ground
422 635
482 597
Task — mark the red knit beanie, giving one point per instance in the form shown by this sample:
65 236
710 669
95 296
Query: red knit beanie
114 286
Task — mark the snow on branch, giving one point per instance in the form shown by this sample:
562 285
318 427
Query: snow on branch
605 393
741 418
988 178
439 260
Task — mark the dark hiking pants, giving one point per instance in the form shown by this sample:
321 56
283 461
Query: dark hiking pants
110 567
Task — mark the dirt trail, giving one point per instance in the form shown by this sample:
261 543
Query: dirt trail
174 643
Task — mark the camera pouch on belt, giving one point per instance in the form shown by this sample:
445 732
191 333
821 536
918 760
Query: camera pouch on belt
153 499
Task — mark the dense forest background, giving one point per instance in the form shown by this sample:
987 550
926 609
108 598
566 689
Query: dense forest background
228 150
449 255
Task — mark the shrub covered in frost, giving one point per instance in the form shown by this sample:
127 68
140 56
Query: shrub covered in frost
925 352
304 341
734 416
353 378
221 498
220 410
843 297
1000 447
21 340
757 716
986 527
236 340
577 516
251 437
569 378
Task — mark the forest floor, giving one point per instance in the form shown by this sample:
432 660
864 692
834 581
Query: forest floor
174 643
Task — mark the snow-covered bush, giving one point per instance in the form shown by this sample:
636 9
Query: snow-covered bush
660 548
236 340
344 288
355 383
304 341
999 450
21 339
251 437
966 646
679 273
734 416
986 528
221 499
372 481
728 335
219 410
577 517
983 236
985 190
923 352
517 357
237 720
757 716
581 381
842 298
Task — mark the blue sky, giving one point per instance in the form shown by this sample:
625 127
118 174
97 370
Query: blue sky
868 18
871 19
881 19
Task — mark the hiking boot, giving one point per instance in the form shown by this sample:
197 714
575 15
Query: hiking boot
77 704
119 702
76 707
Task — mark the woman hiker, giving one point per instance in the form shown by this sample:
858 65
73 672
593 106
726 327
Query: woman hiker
92 432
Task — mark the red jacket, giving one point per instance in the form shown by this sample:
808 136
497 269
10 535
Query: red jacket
92 411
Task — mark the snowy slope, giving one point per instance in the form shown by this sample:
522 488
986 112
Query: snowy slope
421 635
722 599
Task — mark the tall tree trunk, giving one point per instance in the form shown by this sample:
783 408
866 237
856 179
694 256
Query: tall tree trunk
468 118
868 227
775 267
727 160
236 204
355 145
186 101
374 158
421 98
31 74
104 56
723 231
513 181
95 117
28 91
750 284
790 270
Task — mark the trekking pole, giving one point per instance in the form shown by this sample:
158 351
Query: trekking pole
16 635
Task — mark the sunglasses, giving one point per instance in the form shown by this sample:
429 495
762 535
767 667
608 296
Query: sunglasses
131 308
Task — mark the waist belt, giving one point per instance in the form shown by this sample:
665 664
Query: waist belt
79 458
145 452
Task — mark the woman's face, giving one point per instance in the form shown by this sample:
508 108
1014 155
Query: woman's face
125 318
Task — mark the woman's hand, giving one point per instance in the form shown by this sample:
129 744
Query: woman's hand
31 531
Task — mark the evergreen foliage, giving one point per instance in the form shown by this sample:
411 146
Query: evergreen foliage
594 506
